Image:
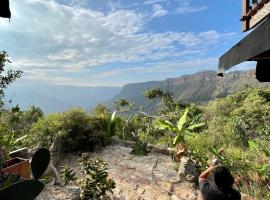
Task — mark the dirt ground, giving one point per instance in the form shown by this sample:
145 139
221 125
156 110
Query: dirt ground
149 177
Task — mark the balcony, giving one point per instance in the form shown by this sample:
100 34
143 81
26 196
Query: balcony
254 12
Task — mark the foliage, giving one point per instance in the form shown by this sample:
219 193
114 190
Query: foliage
67 174
96 183
18 122
9 142
122 105
78 130
139 148
109 125
45 130
182 127
153 93
237 134
8 77
100 111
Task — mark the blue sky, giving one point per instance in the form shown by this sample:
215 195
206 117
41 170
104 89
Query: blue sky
114 42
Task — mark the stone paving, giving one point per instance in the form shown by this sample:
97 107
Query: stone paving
149 177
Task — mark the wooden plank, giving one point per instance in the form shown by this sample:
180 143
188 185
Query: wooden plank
254 44
245 9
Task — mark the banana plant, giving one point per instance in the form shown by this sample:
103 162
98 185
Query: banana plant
181 128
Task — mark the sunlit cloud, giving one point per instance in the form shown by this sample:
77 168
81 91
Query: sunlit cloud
62 36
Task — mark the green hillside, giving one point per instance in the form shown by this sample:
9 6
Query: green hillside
196 88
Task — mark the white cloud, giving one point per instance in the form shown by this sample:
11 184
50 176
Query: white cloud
150 2
66 55
45 36
158 11
186 7
185 10
164 67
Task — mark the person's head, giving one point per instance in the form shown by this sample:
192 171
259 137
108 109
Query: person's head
222 177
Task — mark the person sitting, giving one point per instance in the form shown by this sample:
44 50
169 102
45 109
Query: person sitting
221 186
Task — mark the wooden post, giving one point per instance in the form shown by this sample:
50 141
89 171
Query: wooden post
245 9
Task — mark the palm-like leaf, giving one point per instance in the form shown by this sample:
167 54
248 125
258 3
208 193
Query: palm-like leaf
178 139
165 125
182 120
113 117
195 126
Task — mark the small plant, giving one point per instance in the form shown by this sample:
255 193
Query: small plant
139 148
67 175
96 183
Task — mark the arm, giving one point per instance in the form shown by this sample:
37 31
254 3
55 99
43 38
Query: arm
204 175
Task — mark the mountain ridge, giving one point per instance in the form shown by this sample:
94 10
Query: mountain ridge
199 87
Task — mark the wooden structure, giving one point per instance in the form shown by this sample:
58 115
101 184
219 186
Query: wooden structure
256 45
254 12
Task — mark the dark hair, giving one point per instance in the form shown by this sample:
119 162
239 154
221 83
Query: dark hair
223 177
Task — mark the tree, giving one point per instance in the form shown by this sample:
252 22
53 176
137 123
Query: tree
6 78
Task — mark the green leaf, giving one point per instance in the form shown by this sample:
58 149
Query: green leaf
182 120
194 126
215 152
264 169
113 116
164 124
178 139
20 139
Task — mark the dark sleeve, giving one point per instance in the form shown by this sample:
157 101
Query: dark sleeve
204 185
238 195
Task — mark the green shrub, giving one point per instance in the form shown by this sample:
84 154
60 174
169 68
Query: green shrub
67 174
45 130
96 183
78 130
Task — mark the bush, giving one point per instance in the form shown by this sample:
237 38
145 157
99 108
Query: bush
45 130
77 129
96 183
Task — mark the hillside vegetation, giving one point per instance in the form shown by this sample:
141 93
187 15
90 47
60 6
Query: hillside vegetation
196 88
234 129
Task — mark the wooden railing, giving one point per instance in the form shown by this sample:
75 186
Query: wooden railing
249 9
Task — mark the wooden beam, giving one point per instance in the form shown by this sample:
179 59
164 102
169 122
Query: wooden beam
254 44
245 10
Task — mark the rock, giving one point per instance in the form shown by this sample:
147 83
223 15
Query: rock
117 191
74 192
181 173
135 186
55 150
141 191
174 197
190 178
187 169
190 196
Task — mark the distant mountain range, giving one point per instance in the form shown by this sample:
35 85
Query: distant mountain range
54 98
196 88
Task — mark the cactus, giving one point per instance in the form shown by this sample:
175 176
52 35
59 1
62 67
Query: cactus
29 189
24 190
40 162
